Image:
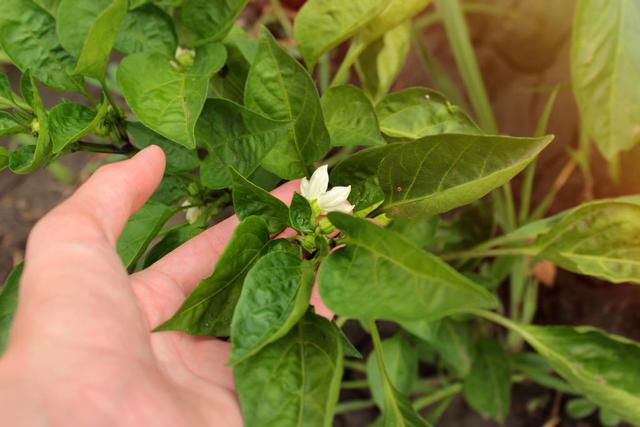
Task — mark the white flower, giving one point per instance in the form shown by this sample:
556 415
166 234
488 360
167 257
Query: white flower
192 213
315 190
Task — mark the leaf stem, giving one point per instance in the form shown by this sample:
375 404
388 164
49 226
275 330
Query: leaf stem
458 35
489 253
355 384
354 365
436 396
102 148
282 17
353 405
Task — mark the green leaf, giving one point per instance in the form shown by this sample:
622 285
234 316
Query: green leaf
68 122
275 295
7 98
322 25
9 125
165 99
418 112
5 155
172 188
28 37
598 239
439 172
294 381
94 56
452 340
236 137
421 231
381 275
487 388
211 20
178 158
8 304
51 6
241 52
208 309
605 53
28 158
74 20
601 367
579 408
380 63
608 418
249 199
301 214
171 241
146 29
401 363
141 229
278 87
350 117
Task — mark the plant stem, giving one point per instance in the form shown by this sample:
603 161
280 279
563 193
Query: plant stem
353 405
342 75
324 72
529 251
282 17
355 384
102 148
443 393
458 35
340 321
560 181
355 365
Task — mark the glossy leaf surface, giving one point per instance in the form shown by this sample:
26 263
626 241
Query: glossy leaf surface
275 295
350 117
165 99
381 275
294 381
249 199
211 20
208 309
68 122
278 87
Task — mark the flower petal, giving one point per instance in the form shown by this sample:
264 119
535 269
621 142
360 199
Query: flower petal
333 197
345 207
319 183
304 188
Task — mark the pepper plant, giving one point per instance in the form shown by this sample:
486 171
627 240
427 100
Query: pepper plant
398 230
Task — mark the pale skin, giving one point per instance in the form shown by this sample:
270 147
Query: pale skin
81 351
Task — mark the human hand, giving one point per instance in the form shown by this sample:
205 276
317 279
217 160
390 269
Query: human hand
81 351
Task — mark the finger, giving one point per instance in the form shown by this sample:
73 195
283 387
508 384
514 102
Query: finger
193 261
73 277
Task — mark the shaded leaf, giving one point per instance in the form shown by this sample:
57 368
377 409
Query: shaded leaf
380 63
171 241
249 199
211 20
275 295
322 25
418 112
301 214
179 159
68 122
234 137
294 381
167 100
580 408
94 57
599 239
279 87
8 304
437 173
381 275
146 29
208 309
605 57
401 363
487 388
350 117
141 229
5 155
28 37
9 125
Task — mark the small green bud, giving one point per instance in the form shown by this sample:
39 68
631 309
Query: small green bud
308 242
325 226
35 126
193 189
185 57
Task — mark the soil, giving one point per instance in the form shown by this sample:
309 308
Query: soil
522 57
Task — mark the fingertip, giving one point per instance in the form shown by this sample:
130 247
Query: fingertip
286 190
153 155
